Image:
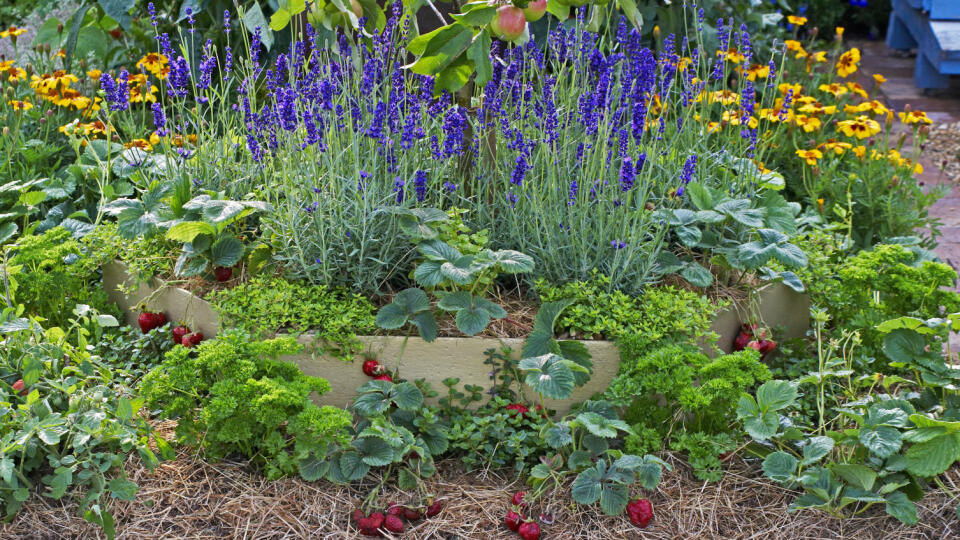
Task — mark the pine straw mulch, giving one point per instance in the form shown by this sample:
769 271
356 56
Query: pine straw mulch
190 498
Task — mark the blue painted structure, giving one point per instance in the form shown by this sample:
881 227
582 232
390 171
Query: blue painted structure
935 34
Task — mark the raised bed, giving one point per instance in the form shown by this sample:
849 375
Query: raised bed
460 357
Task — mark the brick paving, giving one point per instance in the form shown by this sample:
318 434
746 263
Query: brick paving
942 106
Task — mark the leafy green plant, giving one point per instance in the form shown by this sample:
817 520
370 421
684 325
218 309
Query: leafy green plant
683 396
265 305
886 282
144 258
69 422
598 311
922 348
233 395
735 235
458 281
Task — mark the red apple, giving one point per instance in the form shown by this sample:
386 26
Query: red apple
535 10
508 24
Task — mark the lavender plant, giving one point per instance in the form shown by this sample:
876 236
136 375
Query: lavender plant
566 154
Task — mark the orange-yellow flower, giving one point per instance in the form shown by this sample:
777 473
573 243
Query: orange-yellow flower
879 79
808 123
810 156
793 45
732 55
915 117
724 97
835 88
94 74
839 32
799 21
838 147
857 89
860 151
819 57
142 144
12 32
817 108
19 105
847 64
137 95
16 74
757 71
861 127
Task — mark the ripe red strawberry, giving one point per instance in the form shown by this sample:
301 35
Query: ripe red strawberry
148 321
116 33
412 514
178 333
513 520
18 387
529 531
222 274
384 377
394 509
518 407
434 508
369 525
763 346
192 340
358 515
371 368
393 524
517 499
640 512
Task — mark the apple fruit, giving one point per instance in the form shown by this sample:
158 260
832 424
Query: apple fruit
535 10
509 23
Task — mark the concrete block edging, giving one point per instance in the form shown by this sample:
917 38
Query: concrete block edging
458 357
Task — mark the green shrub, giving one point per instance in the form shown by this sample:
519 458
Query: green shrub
267 305
144 257
232 395
50 275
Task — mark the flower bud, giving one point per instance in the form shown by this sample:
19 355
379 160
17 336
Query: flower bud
49 113
6 130
46 48
60 28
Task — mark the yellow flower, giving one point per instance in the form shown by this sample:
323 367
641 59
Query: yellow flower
757 71
857 89
817 108
12 32
839 31
838 147
6 64
155 63
732 55
52 82
915 117
761 167
879 79
820 203
154 139
734 118
808 123
799 21
20 105
860 151
793 45
724 97
62 53
861 127
714 127
810 156
836 89
847 64
819 57
786 87
94 74
142 144
16 74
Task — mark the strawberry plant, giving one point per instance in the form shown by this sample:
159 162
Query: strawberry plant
209 225
71 422
459 282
